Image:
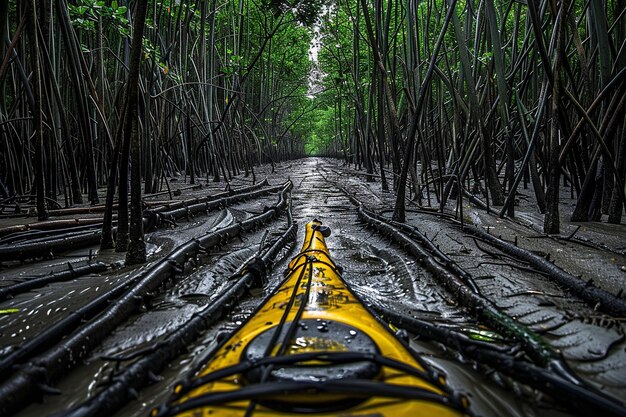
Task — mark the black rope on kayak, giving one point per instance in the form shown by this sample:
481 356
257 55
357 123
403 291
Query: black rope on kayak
333 358
325 231
283 318
356 387
335 268
293 326
291 330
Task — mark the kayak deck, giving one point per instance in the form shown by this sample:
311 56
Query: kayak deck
314 348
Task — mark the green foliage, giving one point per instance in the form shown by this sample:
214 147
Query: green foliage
306 12
85 14
322 131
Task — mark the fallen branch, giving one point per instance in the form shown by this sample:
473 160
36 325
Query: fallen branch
576 398
49 247
70 273
47 225
414 233
474 200
53 245
157 217
212 197
176 191
38 236
596 297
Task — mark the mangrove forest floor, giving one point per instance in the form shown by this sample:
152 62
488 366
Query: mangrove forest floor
379 262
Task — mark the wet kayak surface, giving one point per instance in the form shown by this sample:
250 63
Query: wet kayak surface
379 271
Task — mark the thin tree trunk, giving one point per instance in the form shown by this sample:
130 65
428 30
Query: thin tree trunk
617 205
503 95
551 224
106 241
37 110
136 245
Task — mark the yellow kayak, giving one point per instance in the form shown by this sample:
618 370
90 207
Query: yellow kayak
314 348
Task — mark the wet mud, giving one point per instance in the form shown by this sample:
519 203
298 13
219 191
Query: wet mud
379 271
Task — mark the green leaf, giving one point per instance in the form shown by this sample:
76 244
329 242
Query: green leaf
482 335
10 311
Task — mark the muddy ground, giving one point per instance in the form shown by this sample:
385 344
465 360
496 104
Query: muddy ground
379 271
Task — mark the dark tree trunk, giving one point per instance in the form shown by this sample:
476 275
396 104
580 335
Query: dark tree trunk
581 211
617 199
137 245
121 243
106 241
552 223
37 110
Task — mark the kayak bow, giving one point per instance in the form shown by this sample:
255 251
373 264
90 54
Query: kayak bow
314 348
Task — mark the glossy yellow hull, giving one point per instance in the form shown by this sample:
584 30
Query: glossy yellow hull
313 312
